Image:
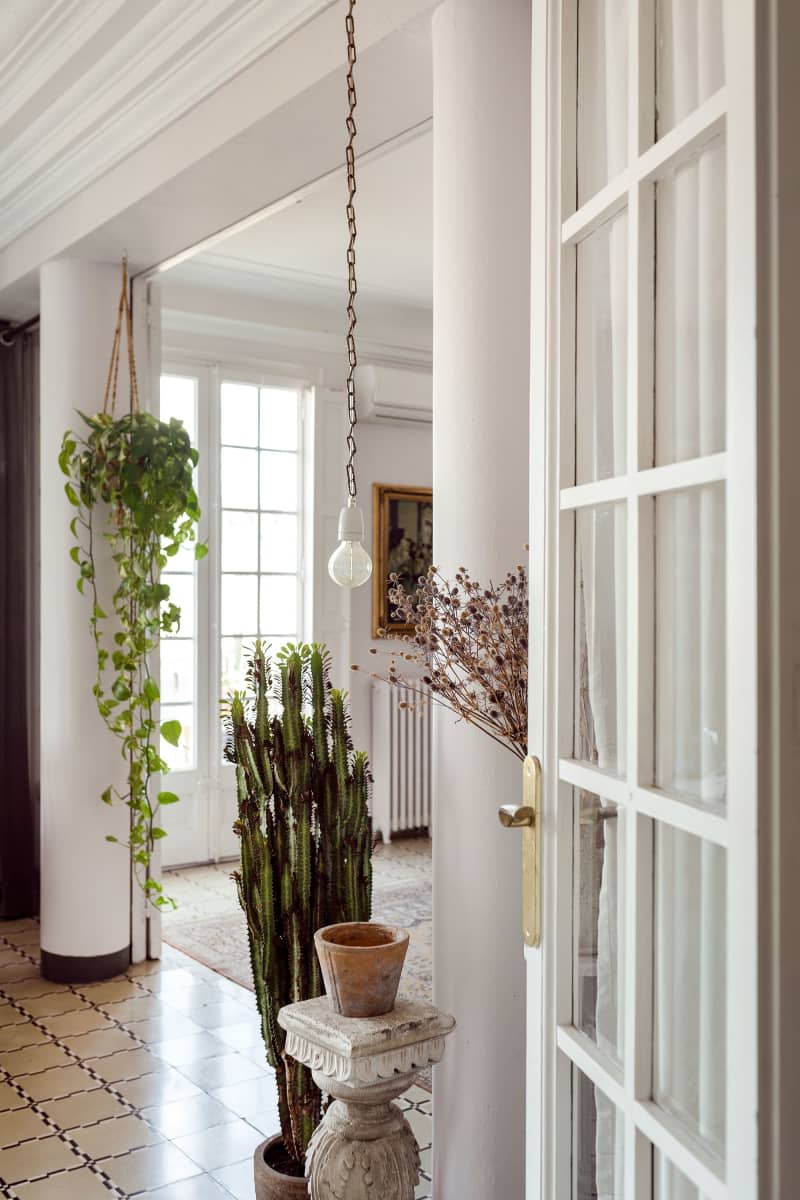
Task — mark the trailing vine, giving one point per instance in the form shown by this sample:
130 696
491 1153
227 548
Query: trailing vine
131 480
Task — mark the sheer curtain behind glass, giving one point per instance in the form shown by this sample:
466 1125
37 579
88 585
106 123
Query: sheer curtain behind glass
19 627
600 566
689 1059
689 934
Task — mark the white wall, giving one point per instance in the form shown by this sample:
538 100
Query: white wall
387 453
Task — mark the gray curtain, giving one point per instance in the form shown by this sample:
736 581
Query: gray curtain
19 627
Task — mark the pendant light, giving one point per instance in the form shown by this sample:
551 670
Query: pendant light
350 565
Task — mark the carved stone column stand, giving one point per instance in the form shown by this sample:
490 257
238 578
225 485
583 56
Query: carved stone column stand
364 1149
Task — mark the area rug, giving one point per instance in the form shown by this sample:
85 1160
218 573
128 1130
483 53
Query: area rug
401 896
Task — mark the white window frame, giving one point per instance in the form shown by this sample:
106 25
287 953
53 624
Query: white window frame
552 1042
212 780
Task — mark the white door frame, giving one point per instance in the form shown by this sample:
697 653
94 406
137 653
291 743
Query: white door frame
547 1127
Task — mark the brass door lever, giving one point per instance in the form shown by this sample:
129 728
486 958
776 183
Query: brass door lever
527 817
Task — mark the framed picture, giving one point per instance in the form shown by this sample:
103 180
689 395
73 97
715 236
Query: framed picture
402 542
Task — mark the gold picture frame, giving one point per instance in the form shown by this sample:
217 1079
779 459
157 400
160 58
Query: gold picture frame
402 541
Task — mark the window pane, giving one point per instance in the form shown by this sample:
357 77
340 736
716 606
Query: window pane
235 651
669 1183
278 419
279 481
278 542
239 603
690 57
690 309
181 592
178 399
600 934
600 636
602 93
279 603
597 1144
177 671
239 414
239 483
690 643
689 945
239 541
601 352
182 756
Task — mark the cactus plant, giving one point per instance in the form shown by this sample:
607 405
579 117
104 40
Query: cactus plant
306 845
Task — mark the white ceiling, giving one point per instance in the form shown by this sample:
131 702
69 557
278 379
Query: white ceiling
305 243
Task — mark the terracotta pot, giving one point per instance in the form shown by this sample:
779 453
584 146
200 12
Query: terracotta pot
361 964
271 1183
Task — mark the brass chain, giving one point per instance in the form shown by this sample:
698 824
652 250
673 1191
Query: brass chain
352 285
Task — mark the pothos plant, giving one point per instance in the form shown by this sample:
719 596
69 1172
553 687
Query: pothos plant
131 480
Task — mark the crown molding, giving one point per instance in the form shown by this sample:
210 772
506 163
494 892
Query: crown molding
317 355
47 47
214 270
173 56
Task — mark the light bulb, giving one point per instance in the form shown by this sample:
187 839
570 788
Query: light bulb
350 565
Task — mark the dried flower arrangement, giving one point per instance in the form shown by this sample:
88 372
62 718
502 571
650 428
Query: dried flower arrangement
470 645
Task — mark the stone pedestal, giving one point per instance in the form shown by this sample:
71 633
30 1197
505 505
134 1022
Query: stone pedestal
364 1149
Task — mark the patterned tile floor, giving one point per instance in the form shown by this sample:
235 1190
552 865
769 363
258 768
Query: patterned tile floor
151 1084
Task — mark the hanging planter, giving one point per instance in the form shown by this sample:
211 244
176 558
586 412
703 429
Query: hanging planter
130 478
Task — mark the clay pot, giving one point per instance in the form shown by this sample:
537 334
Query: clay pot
271 1183
361 965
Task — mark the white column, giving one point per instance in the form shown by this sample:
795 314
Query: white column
85 901
481 68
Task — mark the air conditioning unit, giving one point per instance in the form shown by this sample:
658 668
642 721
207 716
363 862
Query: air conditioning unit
394 394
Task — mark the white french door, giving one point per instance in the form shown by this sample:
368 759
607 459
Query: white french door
642 997
248 427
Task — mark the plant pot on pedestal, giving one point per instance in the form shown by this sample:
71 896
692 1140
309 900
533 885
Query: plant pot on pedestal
361 964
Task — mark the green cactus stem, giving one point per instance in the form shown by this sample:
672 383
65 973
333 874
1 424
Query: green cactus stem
305 845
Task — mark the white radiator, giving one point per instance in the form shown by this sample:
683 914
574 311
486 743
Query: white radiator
401 761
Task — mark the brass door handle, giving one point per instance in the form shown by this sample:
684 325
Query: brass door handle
527 817
516 816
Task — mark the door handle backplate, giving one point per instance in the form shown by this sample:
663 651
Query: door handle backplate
528 818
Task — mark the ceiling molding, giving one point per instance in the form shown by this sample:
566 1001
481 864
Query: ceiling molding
173 55
212 338
47 46
237 274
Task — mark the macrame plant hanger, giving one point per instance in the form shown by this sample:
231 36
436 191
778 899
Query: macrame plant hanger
124 317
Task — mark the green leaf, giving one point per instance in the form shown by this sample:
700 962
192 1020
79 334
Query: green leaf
200 550
171 732
73 526
106 796
99 614
168 798
120 690
110 838
150 690
157 833
75 554
71 495
67 450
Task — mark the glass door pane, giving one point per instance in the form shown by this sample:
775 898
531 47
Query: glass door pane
641 982
598 1160
690 57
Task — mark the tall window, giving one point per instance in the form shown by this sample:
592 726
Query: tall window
249 431
178 650
260 545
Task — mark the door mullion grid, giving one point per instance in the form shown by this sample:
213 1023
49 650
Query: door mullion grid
638 888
